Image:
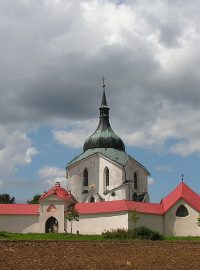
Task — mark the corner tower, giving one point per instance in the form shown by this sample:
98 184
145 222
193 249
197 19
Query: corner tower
104 171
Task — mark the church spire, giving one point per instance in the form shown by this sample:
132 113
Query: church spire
104 109
104 136
104 102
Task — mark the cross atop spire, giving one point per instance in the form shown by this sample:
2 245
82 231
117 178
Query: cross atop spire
182 177
103 80
104 102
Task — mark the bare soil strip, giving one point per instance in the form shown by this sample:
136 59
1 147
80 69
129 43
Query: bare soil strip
105 255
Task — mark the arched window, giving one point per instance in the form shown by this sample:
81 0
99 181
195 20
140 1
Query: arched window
135 182
85 178
92 199
107 177
182 211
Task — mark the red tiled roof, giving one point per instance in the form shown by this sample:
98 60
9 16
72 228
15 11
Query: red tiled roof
181 191
19 209
58 191
142 207
118 206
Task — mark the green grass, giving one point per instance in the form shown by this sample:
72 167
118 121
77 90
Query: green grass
48 236
182 238
75 237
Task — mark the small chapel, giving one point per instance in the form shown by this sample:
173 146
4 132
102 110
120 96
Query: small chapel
106 185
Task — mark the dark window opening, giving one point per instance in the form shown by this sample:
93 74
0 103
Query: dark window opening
182 211
135 197
107 178
85 178
92 199
135 181
85 191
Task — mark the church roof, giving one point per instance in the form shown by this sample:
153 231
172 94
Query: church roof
115 155
58 191
104 136
181 191
118 206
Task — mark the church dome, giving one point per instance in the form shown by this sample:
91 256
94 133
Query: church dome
104 136
58 191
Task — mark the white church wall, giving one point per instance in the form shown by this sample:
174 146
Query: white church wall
57 213
133 167
19 223
182 226
119 194
116 178
75 176
97 223
152 221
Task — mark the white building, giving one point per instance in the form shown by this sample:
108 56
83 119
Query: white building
106 184
104 171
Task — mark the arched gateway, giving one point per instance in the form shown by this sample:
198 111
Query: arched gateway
51 225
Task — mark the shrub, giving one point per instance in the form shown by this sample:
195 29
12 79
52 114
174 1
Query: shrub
115 234
146 233
137 233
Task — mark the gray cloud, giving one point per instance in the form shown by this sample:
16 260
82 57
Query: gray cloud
53 55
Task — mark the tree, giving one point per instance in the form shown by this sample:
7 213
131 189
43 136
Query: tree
133 217
35 199
5 198
72 214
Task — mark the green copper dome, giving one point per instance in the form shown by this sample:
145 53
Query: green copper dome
104 136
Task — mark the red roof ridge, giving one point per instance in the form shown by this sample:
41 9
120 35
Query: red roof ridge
181 191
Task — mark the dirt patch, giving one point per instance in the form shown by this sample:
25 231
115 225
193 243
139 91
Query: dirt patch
99 255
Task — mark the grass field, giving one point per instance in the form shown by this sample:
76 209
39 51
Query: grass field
74 237
48 236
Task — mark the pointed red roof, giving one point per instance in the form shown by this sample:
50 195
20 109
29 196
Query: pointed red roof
58 191
181 191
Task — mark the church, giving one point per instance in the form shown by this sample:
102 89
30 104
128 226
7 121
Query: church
105 184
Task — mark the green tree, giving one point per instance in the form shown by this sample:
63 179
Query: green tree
72 214
5 198
35 199
133 217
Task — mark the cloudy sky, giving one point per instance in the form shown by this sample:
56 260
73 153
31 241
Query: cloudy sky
53 54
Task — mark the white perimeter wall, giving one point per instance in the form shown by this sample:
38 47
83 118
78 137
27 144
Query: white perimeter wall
97 223
152 221
19 223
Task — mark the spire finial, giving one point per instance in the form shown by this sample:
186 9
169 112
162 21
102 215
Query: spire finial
104 102
103 80
182 177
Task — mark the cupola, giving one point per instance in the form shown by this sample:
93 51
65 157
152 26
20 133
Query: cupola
104 136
